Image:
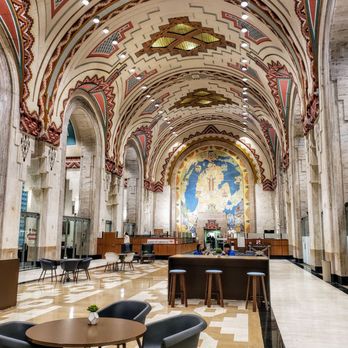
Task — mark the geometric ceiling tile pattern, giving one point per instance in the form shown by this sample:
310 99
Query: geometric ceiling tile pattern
106 48
56 5
133 81
153 106
202 98
251 72
183 37
253 34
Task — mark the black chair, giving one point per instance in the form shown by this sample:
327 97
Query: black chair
69 266
131 310
12 335
48 265
180 331
83 266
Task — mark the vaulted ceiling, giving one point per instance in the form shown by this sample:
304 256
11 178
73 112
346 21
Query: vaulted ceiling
169 73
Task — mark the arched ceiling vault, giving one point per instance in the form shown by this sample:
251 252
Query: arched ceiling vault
159 71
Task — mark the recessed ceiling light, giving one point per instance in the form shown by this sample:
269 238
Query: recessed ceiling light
244 79
245 117
106 30
132 70
244 4
166 118
153 99
244 129
157 105
245 92
245 123
96 20
244 68
245 16
244 113
122 56
161 112
244 30
143 87
245 88
244 60
245 106
171 127
168 122
85 2
114 42
244 45
148 96
138 78
245 99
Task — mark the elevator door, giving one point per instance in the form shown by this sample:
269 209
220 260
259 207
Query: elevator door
75 238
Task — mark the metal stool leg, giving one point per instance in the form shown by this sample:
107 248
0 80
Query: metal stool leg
264 291
254 293
209 290
247 294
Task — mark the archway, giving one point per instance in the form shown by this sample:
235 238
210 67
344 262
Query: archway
212 181
133 190
9 185
82 175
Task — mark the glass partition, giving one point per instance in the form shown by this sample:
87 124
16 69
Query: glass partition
28 240
75 238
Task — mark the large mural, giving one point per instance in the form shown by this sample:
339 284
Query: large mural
212 181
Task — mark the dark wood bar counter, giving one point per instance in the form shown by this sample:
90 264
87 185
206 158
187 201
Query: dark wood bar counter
234 278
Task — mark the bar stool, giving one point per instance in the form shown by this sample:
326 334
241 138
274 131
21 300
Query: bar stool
210 273
182 285
255 276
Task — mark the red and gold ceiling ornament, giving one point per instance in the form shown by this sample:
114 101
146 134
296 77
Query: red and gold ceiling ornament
202 98
183 37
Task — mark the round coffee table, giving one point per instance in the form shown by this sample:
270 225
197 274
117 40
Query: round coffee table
77 333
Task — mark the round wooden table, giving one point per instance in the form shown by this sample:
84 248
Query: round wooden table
77 333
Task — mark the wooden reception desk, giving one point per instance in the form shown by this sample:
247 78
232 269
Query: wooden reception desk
163 246
234 278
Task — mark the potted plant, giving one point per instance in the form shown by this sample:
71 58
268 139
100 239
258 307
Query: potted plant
93 315
218 251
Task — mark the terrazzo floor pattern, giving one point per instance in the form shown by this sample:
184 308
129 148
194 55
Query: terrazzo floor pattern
228 327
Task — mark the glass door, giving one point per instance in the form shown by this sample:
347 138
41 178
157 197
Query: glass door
28 240
75 238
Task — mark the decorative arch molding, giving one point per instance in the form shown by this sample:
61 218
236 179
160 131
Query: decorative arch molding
212 132
249 193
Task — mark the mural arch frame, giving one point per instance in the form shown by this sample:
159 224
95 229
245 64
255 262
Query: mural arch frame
249 175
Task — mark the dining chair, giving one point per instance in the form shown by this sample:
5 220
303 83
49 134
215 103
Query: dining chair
127 309
12 335
48 265
112 261
179 331
83 266
128 259
69 266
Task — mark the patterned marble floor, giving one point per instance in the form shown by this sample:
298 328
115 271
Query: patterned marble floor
228 327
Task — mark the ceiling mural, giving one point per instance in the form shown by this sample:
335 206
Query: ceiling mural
148 67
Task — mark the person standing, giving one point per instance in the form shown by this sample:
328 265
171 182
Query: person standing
126 242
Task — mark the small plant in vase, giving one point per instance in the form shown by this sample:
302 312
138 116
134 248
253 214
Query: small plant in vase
93 315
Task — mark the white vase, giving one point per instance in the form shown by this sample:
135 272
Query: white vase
93 318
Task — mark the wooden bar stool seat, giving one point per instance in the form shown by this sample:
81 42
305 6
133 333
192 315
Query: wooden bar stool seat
255 276
182 286
210 275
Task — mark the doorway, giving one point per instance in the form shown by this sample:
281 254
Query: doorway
28 240
75 237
